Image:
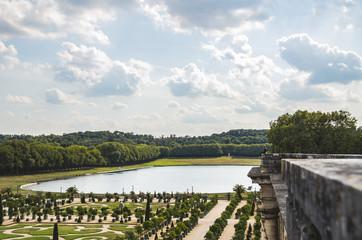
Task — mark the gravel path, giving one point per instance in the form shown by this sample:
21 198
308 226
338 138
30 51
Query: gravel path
229 230
201 229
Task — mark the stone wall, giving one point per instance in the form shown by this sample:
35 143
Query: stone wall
324 195
310 196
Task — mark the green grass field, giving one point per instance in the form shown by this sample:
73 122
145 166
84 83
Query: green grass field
65 231
16 181
248 161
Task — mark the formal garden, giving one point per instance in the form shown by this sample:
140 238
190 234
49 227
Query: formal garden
107 216
114 216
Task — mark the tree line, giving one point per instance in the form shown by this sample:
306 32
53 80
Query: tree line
19 157
208 150
90 138
316 132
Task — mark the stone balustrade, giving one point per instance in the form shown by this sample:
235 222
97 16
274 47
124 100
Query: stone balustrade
306 196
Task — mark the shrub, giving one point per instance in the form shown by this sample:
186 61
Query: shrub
147 225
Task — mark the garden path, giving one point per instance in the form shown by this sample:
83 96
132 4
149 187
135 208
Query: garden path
229 230
202 227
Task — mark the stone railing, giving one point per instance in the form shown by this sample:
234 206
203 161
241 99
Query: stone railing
305 195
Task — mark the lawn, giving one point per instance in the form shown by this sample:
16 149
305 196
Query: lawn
7 236
65 231
16 181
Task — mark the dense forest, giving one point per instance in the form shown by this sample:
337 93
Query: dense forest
88 139
21 154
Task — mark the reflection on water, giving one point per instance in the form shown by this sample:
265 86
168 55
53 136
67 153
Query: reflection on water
205 179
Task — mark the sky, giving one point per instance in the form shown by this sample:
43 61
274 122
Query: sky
161 67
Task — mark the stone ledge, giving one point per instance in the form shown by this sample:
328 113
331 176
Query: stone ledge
327 191
281 194
347 171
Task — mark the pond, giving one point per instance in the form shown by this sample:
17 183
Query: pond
204 179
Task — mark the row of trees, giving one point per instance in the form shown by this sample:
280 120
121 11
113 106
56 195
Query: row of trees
206 150
18 157
243 214
316 132
89 138
216 229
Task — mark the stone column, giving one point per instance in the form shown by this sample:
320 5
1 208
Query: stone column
271 163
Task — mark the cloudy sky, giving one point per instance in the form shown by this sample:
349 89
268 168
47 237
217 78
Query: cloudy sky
190 67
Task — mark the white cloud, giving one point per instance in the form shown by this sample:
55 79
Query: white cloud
49 19
255 78
122 79
101 75
93 105
252 106
119 106
56 96
324 63
298 91
243 109
19 99
349 27
196 114
10 113
82 64
173 104
8 56
211 17
254 74
150 117
337 92
95 122
238 47
192 82
200 118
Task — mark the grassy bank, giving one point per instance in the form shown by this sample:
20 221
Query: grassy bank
16 181
246 161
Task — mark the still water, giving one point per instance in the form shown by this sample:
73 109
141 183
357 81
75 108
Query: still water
204 179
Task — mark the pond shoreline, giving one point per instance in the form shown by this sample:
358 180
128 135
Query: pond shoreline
205 178
25 186
24 181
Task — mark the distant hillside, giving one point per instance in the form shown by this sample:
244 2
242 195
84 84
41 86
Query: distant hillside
89 138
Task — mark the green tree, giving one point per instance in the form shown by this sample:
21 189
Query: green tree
239 189
72 191
6 190
6 158
314 132
1 210
249 233
139 229
209 236
130 235
55 232
148 207
147 225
